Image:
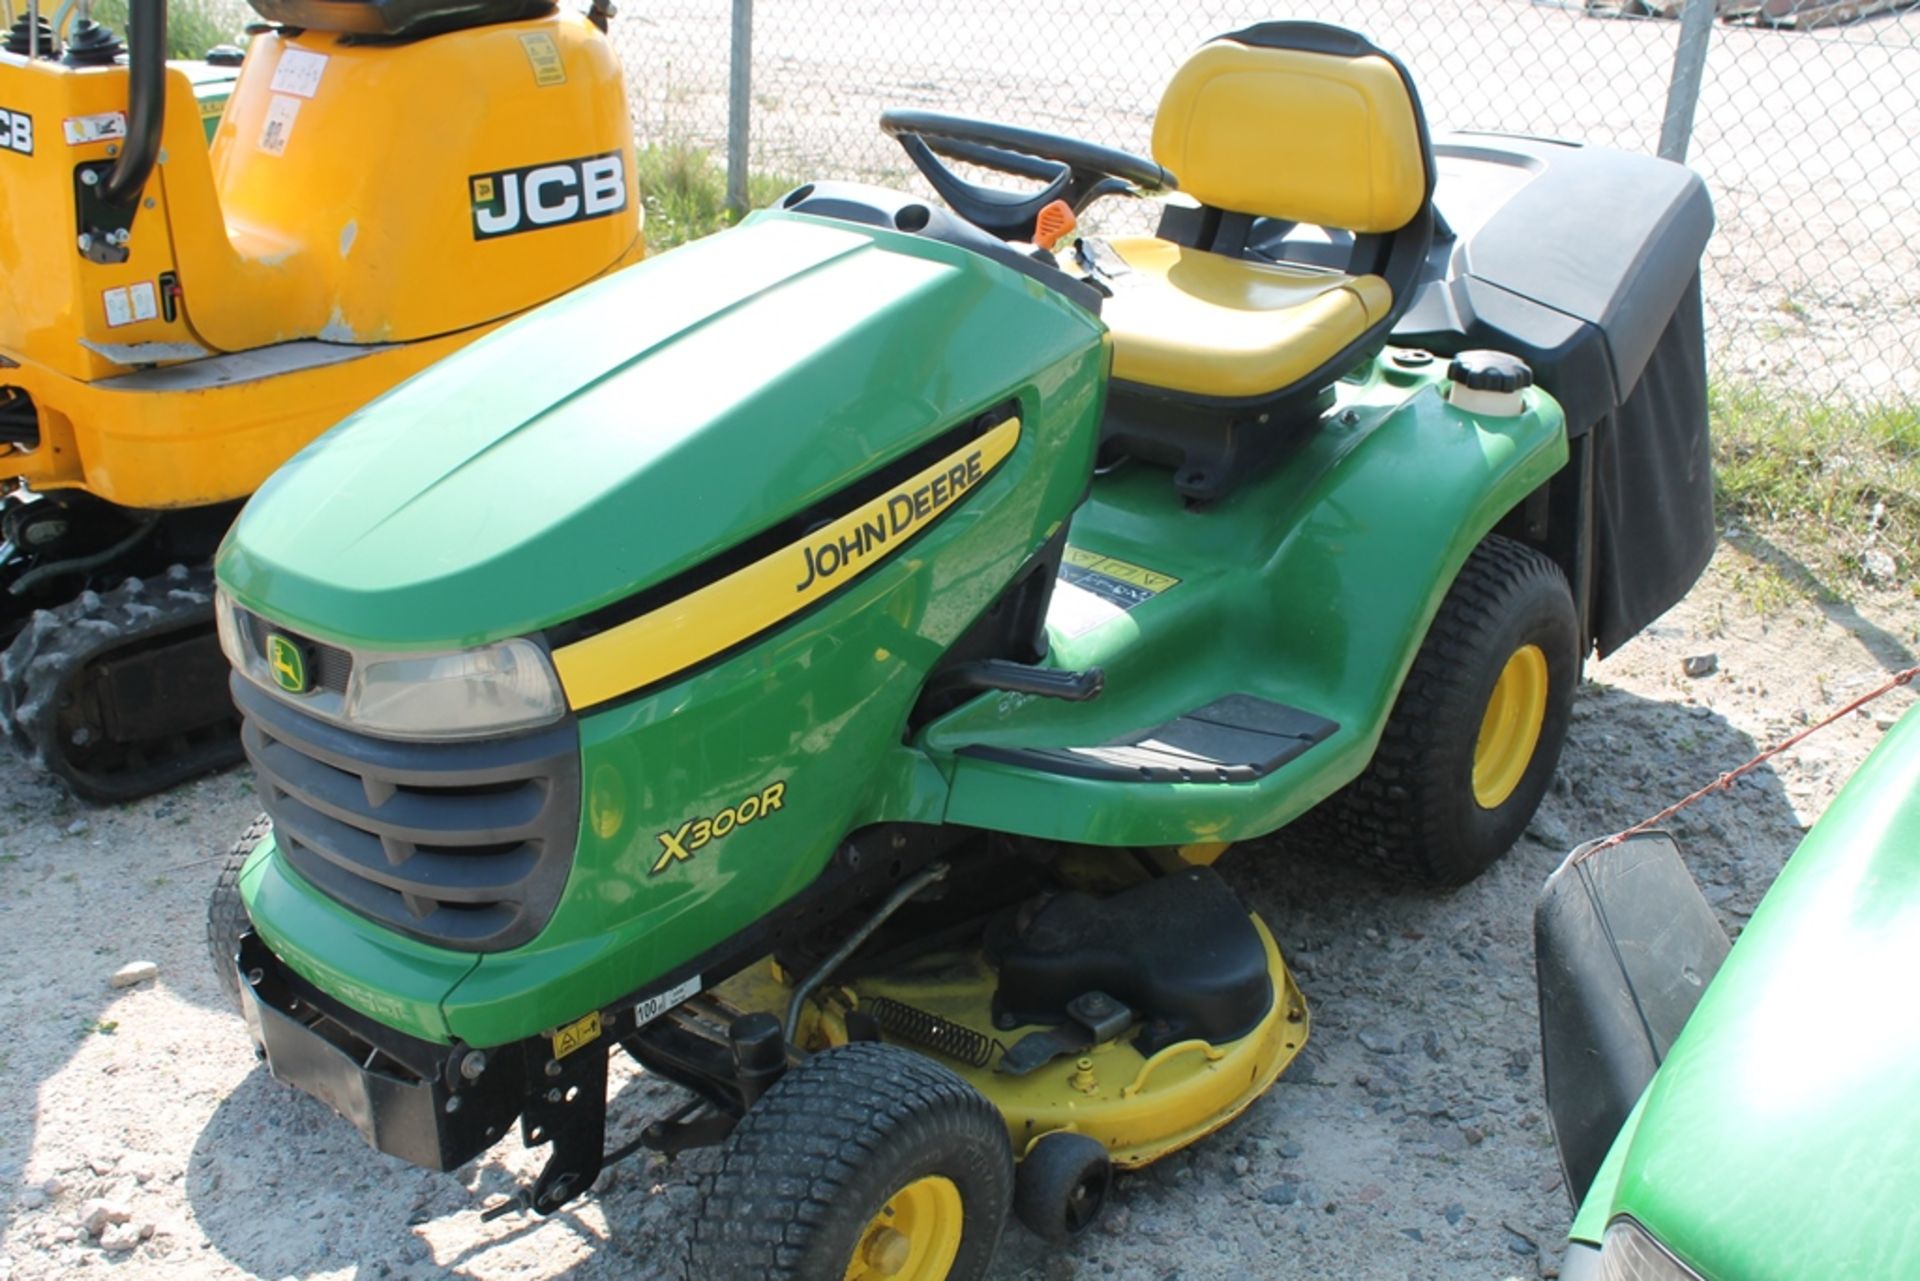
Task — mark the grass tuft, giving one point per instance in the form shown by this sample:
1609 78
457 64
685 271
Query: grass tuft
1840 481
193 26
684 191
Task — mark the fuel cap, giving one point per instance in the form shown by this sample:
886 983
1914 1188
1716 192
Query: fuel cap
1490 371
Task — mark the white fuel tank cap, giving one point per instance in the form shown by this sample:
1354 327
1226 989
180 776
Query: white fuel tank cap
1489 383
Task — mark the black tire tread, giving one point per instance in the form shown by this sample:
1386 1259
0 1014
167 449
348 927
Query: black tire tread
809 1138
1055 1163
1377 818
227 914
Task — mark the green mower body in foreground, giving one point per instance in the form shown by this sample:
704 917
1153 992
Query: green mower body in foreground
433 553
1715 1115
427 552
824 661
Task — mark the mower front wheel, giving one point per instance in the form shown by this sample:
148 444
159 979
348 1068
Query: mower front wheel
1062 1185
865 1161
1476 732
227 914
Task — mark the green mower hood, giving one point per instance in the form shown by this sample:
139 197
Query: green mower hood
1780 1139
635 428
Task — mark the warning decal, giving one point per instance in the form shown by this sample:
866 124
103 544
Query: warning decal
119 307
277 129
131 303
1095 589
105 127
298 72
544 56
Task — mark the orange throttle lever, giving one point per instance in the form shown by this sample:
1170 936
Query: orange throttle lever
1053 224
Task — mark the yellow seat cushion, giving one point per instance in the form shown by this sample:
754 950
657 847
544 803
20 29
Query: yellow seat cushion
1287 133
1209 325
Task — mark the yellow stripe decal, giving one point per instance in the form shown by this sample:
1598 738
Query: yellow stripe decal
746 602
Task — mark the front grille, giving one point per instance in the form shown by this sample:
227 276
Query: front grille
463 844
331 664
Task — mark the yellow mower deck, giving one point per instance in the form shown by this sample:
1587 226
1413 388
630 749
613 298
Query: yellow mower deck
1140 1108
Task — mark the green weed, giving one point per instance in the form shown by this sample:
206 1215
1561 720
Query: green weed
1764 588
684 191
1835 480
193 26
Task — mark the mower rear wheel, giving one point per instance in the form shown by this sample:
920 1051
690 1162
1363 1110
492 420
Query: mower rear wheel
227 914
1474 737
1061 1185
864 1162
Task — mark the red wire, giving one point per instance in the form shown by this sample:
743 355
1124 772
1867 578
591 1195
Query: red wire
1727 779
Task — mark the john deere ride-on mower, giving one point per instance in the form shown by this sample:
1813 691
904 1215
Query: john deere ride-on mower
390 179
825 661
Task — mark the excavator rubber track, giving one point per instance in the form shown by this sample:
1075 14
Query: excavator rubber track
123 693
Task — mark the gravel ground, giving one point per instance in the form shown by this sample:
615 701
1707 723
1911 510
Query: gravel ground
1409 1140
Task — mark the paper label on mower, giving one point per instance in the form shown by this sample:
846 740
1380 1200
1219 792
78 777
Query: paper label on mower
299 72
654 1006
1093 590
278 128
105 127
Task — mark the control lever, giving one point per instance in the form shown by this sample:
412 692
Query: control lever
1092 1017
1023 678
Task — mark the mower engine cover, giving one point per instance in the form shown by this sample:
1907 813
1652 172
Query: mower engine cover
1778 1140
759 488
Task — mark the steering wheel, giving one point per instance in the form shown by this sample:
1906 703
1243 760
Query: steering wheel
1073 170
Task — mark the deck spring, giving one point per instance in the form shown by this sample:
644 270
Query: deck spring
930 1032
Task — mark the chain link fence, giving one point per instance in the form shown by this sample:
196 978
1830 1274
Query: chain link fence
1809 134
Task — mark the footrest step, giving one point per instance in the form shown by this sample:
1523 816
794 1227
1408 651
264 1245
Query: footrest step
1235 739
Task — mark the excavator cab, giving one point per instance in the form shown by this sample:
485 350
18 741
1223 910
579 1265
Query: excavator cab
388 181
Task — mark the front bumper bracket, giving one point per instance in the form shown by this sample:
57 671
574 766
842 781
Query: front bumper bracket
437 1106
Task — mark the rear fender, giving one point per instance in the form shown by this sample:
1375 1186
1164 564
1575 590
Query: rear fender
1312 587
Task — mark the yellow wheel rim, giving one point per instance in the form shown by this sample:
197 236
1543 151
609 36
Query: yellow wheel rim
1510 729
915 1237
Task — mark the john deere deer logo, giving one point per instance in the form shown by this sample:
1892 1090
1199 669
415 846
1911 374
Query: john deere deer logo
289 666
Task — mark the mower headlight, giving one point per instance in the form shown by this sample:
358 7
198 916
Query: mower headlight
1627 1253
493 689
227 622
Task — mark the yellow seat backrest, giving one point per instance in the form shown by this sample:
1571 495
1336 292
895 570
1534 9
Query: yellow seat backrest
1318 138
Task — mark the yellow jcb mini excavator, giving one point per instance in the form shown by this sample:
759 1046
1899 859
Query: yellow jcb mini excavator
390 180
